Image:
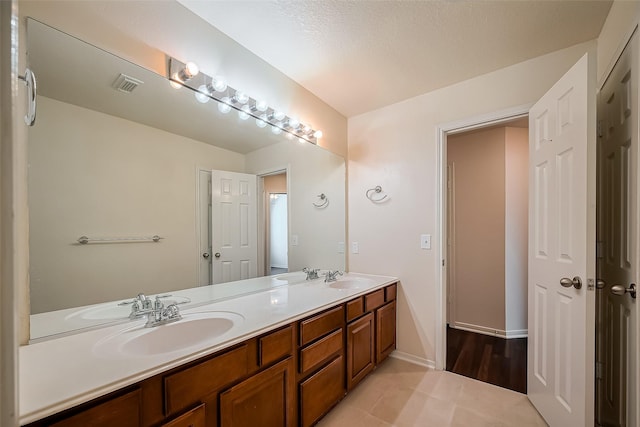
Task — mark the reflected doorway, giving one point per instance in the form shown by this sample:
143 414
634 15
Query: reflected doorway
276 223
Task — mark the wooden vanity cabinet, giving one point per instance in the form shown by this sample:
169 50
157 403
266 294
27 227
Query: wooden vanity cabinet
290 376
371 332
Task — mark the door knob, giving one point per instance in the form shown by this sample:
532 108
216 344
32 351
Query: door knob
217 255
206 255
621 290
576 282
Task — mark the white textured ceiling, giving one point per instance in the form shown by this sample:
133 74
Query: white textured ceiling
361 55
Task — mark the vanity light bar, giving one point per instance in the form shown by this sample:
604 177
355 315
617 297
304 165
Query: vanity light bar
228 98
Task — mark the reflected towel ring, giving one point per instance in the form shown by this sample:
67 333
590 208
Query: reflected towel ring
372 192
324 201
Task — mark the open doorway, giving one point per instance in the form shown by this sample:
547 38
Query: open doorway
276 223
487 203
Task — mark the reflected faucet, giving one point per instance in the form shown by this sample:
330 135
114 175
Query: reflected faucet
332 276
311 273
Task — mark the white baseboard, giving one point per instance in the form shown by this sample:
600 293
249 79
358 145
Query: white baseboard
413 359
516 333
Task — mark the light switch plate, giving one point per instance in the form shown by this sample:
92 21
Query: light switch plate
425 241
294 240
355 248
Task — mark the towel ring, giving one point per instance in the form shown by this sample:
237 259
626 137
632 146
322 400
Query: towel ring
374 194
324 201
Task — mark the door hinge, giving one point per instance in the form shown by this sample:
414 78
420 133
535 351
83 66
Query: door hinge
443 263
599 368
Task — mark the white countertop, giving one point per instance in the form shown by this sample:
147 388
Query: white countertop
60 373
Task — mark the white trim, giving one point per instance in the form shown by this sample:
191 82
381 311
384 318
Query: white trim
442 130
400 355
516 333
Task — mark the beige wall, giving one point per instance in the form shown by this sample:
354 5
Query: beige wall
516 229
135 181
488 266
395 147
275 183
477 162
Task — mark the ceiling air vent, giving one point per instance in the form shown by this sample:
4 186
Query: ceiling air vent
126 83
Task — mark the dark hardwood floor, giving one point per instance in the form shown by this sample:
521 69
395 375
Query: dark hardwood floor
494 360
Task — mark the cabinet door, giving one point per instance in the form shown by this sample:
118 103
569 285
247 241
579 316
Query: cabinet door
385 331
123 411
193 418
321 391
265 399
360 355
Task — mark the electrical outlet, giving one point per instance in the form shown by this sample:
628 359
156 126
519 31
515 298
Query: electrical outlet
355 248
294 240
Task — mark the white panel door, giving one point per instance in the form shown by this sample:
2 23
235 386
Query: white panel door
617 339
234 230
562 134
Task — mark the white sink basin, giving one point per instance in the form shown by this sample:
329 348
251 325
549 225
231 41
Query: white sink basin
351 283
195 329
293 277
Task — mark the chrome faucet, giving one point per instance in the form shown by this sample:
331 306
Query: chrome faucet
140 306
157 314
311 273
161 315
332 276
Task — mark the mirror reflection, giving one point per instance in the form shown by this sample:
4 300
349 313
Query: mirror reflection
226 200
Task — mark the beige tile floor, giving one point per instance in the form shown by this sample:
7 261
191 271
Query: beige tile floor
399 393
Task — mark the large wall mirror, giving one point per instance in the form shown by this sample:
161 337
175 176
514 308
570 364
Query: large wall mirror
110 162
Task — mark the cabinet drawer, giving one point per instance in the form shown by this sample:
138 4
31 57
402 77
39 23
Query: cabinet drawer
193 418
390 292
355 308
275 346
321 391
120 411
321 324
187 387
374 300
320 351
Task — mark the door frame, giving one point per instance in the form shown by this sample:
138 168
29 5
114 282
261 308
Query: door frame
263 252
442 131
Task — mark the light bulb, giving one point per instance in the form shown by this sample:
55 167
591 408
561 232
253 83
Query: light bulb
288 135
278 115
191 69
262 121
275 130
224 106
318 134
261 106
294 123
244 113
202 94
219 84
306 129
240 97
302 140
